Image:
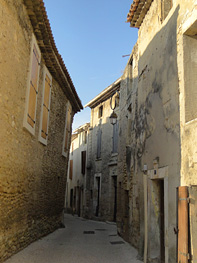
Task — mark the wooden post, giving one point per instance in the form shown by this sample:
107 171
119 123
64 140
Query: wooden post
183 224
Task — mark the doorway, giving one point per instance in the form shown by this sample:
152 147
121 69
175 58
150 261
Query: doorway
98 195
71 198
156 215
114 196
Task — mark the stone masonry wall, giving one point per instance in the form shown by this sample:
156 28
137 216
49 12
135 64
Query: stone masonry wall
32 176
153 118
101 166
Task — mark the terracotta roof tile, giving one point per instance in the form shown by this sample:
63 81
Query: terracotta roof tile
137 12
42 29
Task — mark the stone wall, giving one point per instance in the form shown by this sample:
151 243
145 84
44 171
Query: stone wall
103 167
150 128
129 190
75 202
32 176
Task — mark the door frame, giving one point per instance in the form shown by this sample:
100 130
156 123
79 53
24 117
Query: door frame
160 173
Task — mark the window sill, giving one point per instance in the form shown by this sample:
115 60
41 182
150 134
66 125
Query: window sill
114 154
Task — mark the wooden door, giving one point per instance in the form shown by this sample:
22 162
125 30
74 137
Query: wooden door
183 224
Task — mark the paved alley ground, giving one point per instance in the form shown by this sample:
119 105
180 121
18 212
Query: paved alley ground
82 241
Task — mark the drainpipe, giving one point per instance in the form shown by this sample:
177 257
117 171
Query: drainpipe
145 214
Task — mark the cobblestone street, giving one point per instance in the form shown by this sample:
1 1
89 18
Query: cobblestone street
81 241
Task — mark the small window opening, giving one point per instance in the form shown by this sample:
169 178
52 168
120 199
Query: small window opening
100 113
85 137
166 5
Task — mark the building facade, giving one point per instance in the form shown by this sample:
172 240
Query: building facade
37 104
76 180
101 180
157 123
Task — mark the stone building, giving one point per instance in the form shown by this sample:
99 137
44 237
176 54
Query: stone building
76 180
157 125
101 181
37 104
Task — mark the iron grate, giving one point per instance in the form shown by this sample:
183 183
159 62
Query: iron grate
115 235
100 229
117 242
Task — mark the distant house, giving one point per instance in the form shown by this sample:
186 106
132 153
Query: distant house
157 161
37 104
76 180
101 179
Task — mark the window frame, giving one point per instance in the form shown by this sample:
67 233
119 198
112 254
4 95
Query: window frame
83 162
26 125
99 144
41 139
100 112
115 138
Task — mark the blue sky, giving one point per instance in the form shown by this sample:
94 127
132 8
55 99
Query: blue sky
91 37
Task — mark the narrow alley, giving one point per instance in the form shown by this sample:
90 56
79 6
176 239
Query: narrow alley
81 241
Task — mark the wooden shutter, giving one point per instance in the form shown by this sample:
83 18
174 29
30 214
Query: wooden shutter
68 128
115 138
31 114
46 106
193 221
71 170
83 162
99 143
183 224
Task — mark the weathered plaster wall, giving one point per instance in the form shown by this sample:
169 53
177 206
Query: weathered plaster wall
105 166
187 69
32 176
154 116
78 179
128 219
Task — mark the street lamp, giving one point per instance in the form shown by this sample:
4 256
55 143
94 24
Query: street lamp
113 117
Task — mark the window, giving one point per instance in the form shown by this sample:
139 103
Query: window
46 95
115 138
99 135
85 137
190 72
166 5
100 112
32 88
67 131
71 170
83 162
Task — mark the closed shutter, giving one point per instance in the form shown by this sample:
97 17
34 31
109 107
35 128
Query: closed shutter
115 138
71 170
46 106
183 224
83 162
99 134
31 114
193 221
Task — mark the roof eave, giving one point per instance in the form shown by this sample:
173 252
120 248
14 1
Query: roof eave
54 62
137 12
105 94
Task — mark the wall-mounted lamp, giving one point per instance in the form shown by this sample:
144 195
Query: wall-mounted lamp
113 117
145 168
